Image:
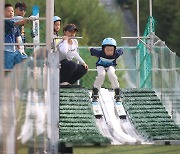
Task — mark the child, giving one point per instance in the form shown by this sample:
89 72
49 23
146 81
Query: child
106 64
11 56
20 11
57 27
70 70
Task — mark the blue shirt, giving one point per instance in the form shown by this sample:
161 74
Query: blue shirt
21 27
103 59
11 33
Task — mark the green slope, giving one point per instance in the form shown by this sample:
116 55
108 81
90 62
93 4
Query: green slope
77 122
149 116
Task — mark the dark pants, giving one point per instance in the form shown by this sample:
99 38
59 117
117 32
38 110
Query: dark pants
70 71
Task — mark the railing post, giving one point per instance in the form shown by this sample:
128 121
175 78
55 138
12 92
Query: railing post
1 43
53 82
172 80
1 70
137 51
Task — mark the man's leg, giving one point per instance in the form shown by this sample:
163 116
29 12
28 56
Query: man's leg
67 69
78 73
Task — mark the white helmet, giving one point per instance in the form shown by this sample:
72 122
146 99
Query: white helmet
56 18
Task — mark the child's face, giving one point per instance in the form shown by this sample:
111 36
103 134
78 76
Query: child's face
71 33
57 26
20 11
9 12
109 50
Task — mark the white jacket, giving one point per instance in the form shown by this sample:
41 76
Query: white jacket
67 51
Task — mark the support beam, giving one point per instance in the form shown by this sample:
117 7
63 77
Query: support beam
137 51
49 23
1 43
138 31
150 14
53 82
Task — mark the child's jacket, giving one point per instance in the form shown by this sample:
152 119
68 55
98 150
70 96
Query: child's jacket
103 59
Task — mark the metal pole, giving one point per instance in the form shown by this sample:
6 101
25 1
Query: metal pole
49 23
151 38
137 20
150 13
53 81
1 43
150 7
1 72
137 51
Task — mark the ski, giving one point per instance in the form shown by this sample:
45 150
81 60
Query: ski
119 108
96 108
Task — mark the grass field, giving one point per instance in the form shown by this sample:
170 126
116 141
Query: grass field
129 149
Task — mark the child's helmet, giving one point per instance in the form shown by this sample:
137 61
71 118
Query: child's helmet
56 18
109 41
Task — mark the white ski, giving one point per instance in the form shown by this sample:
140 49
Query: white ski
97 109
120 109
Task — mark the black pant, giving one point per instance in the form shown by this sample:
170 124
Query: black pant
70 71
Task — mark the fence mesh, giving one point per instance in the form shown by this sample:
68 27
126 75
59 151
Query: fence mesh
125 70
145 56
24 122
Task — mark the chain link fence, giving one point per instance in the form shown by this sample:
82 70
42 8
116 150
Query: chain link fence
125 70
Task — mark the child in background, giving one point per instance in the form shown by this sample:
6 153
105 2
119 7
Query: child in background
57 27
12 32
106 63
20 11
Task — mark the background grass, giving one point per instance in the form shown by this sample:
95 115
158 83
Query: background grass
129 149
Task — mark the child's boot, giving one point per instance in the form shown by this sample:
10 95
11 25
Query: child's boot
94 94
118 94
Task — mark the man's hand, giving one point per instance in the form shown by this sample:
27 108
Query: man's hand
85 65
32 18
89 49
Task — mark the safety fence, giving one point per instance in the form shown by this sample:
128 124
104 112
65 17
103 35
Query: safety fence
159 70
165 78
125 70
28 111
26 122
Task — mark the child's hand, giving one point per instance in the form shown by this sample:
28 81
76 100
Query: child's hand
21 50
